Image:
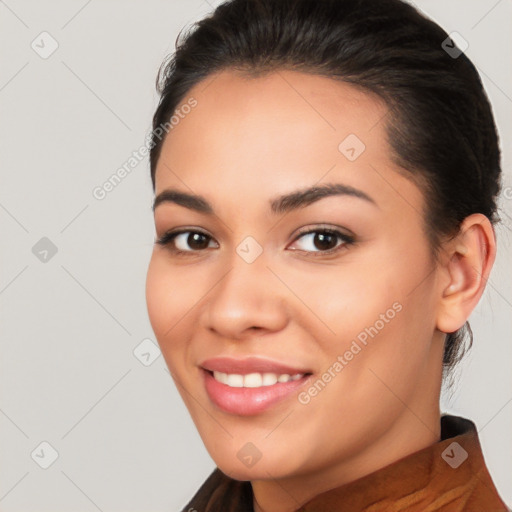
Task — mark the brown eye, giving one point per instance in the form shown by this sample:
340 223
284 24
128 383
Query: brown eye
324 241
185 241
193 239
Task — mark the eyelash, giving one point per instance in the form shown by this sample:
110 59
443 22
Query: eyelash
167 238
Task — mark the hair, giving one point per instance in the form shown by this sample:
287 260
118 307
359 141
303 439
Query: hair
439 124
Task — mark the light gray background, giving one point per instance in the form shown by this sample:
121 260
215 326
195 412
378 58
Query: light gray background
70 325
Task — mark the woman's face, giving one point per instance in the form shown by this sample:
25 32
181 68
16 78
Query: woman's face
262 290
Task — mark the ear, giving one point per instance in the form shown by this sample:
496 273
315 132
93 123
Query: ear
467 263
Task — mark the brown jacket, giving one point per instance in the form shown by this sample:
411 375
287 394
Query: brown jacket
449 476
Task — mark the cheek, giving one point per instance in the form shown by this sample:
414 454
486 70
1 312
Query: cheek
384 323
378 352
387 287
377 311
170 298
343 301
158 297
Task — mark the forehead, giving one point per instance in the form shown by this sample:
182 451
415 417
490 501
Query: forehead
229 102
263 134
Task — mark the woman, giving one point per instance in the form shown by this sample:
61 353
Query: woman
326 176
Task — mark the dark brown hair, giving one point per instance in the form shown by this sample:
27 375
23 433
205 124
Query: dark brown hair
440 124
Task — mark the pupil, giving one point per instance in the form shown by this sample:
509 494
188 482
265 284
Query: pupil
196 238
322 237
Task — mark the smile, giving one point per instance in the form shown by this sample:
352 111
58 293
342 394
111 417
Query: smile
253 380
252 393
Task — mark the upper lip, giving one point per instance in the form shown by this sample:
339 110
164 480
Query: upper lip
252 364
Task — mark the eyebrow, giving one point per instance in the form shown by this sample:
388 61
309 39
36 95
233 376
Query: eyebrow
278 205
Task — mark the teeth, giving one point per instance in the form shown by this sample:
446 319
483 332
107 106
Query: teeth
269 379
253 380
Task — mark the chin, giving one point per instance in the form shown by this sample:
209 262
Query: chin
260 471
268 466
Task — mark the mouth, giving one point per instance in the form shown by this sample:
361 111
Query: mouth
250 386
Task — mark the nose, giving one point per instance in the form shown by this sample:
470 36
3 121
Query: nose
248 298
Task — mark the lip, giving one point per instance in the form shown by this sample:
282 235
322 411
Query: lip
252 364
249 401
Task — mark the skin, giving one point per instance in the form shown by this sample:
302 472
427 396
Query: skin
249 140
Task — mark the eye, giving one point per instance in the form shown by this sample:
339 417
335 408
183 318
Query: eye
320 241
325 241
177 241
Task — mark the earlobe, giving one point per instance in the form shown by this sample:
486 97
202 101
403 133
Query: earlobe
468 262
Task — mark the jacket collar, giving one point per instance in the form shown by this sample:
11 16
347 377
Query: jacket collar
450 475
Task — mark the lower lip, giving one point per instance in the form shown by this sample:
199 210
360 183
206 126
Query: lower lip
249 401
